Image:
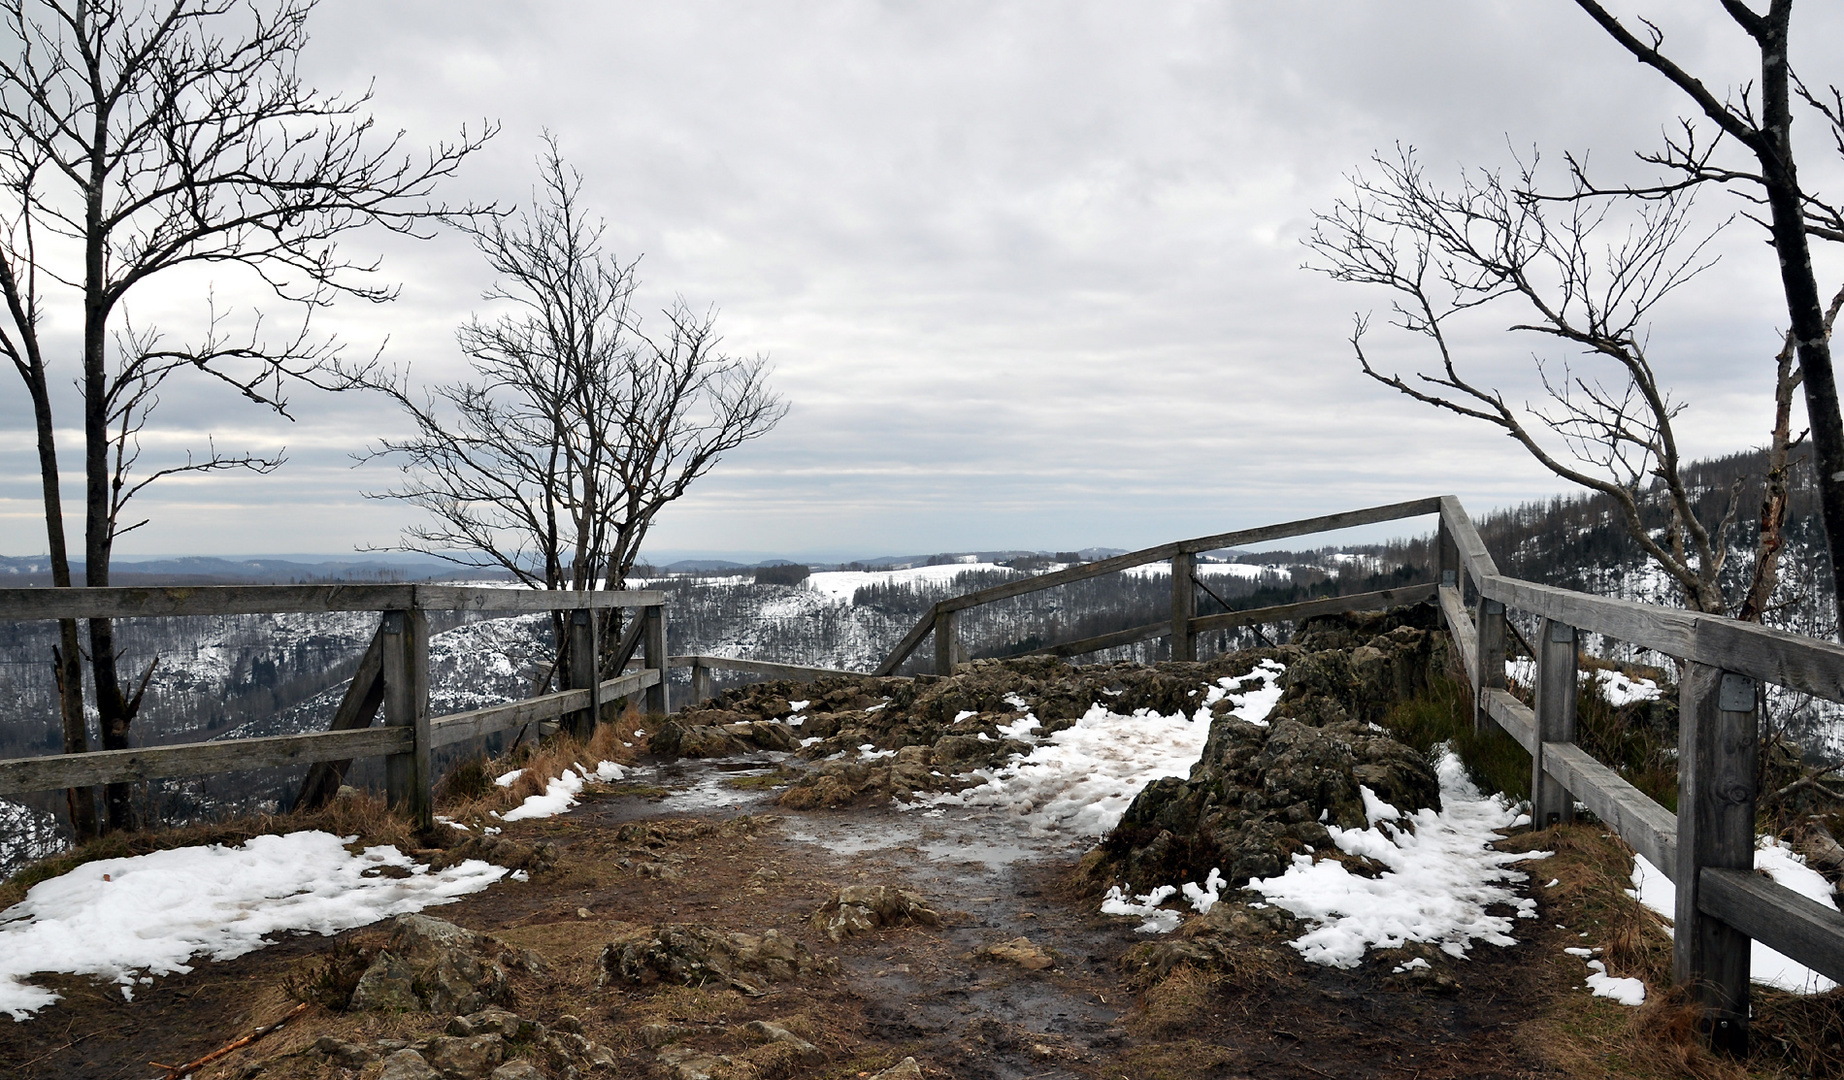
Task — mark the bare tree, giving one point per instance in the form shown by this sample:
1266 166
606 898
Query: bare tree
1759 119
580 427
1607 426
140 139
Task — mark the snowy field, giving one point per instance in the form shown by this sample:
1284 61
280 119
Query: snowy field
839 585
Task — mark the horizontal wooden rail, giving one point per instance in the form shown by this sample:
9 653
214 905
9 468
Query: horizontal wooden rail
133 602
1651 829
1114 564
1473 555
462 726
1331 605
197 759
757 667
1794 925
1759 652
1514 716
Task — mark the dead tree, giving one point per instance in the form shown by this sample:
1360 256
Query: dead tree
1493 242
1759 119
580 426
140 139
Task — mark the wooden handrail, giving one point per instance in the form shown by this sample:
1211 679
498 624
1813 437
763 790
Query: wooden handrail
1159 553
134 601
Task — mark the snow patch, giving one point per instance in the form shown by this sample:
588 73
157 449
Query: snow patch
127 919
1442 878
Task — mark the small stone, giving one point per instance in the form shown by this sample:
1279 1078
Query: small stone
516 1070
472 1057
568 1024
906 1069
344 1054
407 1065
1019 951
764 1031
582 913
654 1036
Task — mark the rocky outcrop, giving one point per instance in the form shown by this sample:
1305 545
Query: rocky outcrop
1260 793
478 1046
432 965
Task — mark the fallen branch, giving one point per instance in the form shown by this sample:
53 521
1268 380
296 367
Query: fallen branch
174 1072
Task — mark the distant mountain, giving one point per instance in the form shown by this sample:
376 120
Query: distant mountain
216 570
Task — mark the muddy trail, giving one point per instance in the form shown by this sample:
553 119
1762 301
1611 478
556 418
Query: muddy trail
702 842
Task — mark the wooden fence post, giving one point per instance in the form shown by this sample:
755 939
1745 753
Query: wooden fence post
1489 617
1184 606
1446 558
1550 803
1716 759
700 683
583 674
658 700
405 663
946 642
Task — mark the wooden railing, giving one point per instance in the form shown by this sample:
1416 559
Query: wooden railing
1707 847
393 677
1185 625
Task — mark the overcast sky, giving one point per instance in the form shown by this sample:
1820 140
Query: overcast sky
1029 275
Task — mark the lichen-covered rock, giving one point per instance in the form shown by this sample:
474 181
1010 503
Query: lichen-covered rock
720 735
1260 793
407 1065
435 965
471 1057
695 954
860 909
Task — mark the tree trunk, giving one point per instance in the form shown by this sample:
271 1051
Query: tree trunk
1805 311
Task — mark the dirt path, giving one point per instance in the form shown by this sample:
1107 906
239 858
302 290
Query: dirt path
907 991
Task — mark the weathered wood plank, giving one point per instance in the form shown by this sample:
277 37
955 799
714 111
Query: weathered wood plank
1716 777
1129 636
1794 925
946 637
581 671
462 726
516 600
1474 557
1184 607
756 667
1460 627
1550 803
195 759
1759 652
1303 527
908 645
409 776
364 695
1512 715
701 689
132 602
654 652
1488 672
1651 829
1331 605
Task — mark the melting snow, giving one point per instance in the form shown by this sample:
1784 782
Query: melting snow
1255 703
128 919
1441 881
1655 890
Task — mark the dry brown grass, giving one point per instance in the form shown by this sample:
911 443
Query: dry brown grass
469 793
